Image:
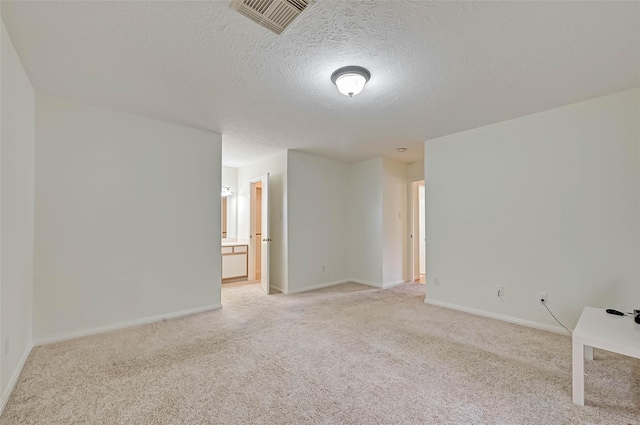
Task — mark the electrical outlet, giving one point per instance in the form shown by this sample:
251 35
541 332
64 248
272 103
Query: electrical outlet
542 297
436 281
500 291
6 345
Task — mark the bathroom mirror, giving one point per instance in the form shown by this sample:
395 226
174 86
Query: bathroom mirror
228 216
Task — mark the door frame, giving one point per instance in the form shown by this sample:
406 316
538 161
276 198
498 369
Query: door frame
265 236
413 229
252 241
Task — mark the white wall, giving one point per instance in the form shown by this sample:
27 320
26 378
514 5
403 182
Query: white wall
17 213
378 218
351 218
415 171
127 219
276 165
230 180
547 202
394 208
366 221
318 213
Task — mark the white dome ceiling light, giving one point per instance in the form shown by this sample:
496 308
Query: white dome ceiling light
350 80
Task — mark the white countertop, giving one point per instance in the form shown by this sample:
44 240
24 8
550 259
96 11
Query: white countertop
234 242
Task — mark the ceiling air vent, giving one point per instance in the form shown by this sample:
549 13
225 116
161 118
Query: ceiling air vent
275 15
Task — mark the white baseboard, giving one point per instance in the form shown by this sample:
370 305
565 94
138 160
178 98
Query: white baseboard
364 282
124 325
277 288
340 282
15 377
377 285
392 284
318 286
496 316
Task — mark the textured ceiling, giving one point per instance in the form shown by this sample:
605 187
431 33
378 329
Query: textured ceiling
437 67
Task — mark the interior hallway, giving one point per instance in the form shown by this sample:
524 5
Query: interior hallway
349 354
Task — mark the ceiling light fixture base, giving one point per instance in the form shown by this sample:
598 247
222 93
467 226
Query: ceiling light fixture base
350 80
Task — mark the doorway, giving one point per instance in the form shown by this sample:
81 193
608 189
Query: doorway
259 239
418 232
256 228
245 231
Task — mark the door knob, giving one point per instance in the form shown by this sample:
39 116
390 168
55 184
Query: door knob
267 240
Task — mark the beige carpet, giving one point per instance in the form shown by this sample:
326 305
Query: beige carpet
343 355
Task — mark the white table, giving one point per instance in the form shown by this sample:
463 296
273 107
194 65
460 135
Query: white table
598 329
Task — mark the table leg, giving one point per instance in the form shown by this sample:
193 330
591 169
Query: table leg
578 354
588 352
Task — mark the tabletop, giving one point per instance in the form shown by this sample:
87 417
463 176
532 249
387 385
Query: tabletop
599 329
